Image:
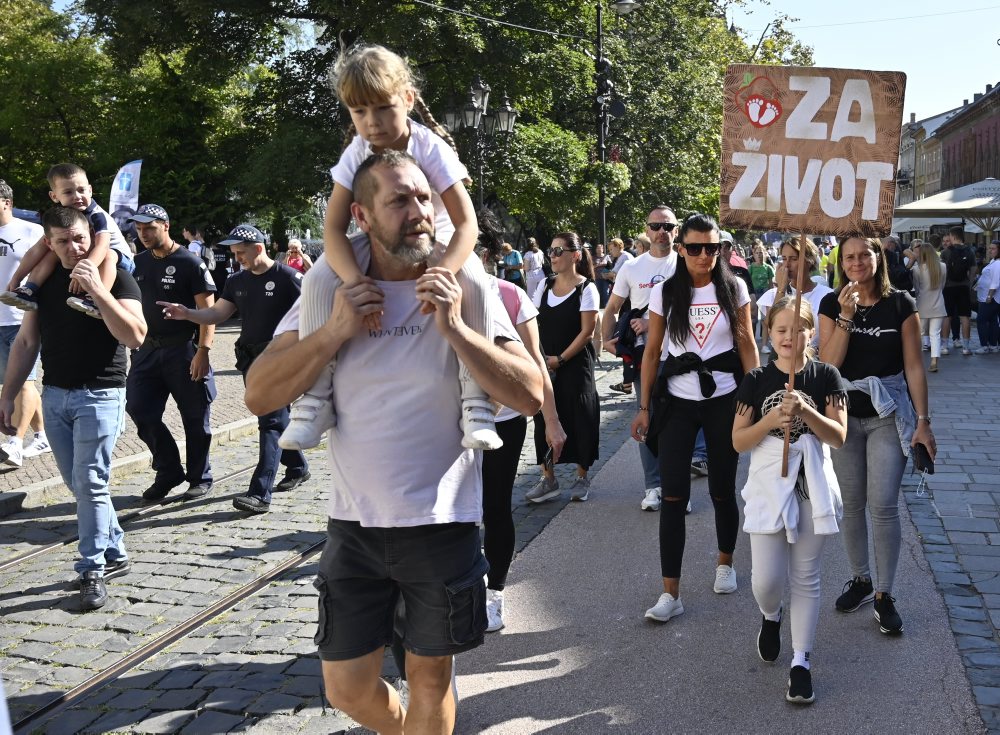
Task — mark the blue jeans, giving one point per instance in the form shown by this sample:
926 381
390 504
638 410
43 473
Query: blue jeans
700 453
82 426
8 333
650 464
988 324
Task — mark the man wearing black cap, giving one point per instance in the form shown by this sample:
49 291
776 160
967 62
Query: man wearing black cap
263 291
168 362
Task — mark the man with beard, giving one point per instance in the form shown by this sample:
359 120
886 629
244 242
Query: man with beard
405 496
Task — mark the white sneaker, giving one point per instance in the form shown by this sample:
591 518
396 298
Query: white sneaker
956 343
37 446
11 454
665 608
309 419
945 350
403 688
994 349
494 610
765 350
479 430
725 580
652 500
983 351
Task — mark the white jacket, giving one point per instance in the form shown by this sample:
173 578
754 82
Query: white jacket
771 504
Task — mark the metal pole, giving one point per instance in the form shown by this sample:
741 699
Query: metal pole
602 115
480 148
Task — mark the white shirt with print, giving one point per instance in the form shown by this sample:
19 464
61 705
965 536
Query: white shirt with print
16 237
710 335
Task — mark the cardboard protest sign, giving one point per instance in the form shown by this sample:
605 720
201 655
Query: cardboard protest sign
810 150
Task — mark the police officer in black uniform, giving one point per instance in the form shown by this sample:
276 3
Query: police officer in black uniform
263 291
169 362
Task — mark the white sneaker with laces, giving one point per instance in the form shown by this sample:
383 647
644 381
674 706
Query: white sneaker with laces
11 454
652 500
479 429
494 610
37 446
725 580
665 608
983 351
309 419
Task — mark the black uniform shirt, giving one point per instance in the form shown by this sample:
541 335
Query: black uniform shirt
178 278
263 300
77 350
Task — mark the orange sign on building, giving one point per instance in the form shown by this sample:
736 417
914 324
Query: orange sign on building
810 150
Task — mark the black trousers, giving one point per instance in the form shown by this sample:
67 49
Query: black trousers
499 473
676 449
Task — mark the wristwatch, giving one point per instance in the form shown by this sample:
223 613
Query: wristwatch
924 418
561 360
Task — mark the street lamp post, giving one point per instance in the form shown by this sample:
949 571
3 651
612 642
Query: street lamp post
605 94
484 126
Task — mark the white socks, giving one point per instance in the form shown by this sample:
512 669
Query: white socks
800 658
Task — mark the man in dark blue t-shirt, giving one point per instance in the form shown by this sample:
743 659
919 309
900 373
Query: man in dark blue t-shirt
263 292
83 360
169 363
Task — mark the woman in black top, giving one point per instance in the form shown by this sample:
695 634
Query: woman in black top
567 315
871 333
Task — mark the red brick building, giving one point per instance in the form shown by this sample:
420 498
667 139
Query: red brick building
970 141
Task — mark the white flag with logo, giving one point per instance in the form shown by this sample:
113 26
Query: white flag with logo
125 191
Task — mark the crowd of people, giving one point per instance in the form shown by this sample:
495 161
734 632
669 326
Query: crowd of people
397 343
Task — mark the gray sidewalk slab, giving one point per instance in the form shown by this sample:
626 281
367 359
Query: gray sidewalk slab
578 657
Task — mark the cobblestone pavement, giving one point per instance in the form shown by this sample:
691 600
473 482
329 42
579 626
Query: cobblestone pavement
187 556
957 518
254 668
226 409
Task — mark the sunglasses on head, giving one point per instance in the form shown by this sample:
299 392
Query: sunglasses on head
709 248
557 251
665 226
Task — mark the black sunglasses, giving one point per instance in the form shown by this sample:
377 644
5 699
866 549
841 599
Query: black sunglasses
557 251
665 226
696 249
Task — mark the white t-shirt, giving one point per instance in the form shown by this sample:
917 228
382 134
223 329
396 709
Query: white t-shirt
622 259
590 299
637 277
533 263
526 311
989 278
437 159
396 454
710 336
814 297
195 247
16 237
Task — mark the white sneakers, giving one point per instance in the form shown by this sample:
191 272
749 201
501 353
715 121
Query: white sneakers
310 418
11 453
725 580
665 608
494 610
38 445
479 430
652 500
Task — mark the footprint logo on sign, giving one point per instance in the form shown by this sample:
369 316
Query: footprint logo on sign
762 112
758 98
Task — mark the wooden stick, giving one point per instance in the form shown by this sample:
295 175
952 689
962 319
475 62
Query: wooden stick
800 282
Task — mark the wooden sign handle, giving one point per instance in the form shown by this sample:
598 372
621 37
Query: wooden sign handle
800 282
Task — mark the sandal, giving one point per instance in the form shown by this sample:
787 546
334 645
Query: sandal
625 388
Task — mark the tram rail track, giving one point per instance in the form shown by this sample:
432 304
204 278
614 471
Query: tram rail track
64 700
144 512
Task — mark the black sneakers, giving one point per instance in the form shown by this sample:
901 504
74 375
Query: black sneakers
290 483
197 491
250 504
888 619
93 593
857 592
159 489
769 640
800 686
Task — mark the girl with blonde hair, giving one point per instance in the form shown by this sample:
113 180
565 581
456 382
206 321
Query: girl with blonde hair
929 279
380 90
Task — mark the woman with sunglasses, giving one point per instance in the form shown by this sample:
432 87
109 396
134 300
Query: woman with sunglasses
699 326
871 333
567 315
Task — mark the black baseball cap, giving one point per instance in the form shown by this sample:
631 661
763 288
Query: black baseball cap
150 213
243 233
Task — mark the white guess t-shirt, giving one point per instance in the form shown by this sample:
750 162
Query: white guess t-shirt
16 237
710 335
437 159
396 454
636 279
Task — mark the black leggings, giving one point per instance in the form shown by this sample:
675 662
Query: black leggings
499 472
676 448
